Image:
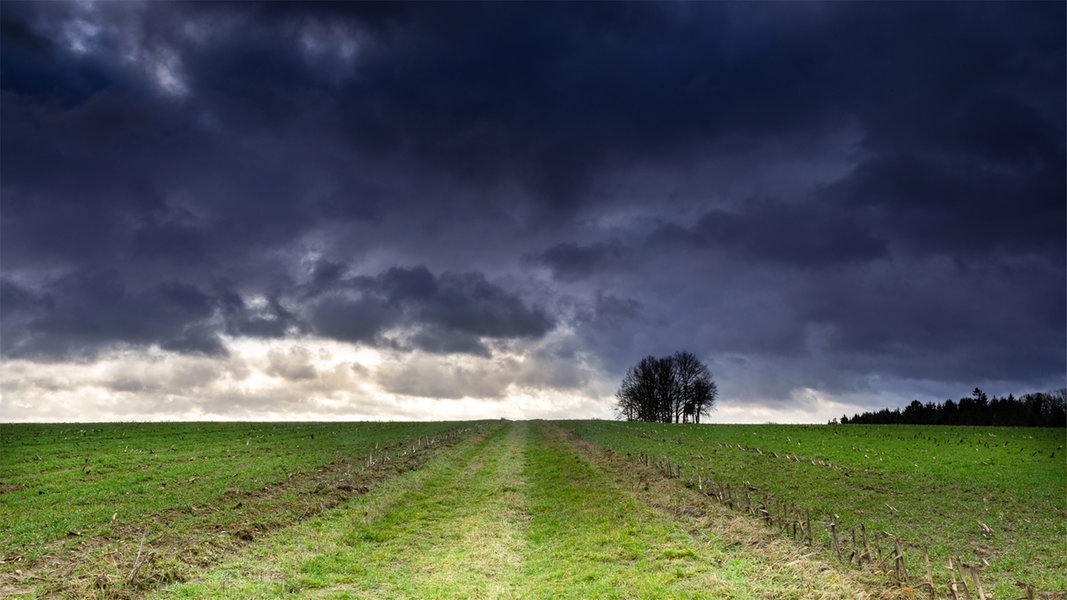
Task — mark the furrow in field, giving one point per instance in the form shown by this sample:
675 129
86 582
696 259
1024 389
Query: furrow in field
139 555
451 529
625 533
987 497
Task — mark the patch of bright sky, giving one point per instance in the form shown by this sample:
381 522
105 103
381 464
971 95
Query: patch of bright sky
344 384
806 406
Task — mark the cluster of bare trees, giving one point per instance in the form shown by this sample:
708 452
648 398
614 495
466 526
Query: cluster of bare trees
673 389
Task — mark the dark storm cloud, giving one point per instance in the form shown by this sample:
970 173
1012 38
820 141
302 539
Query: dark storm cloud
544 95
932 208
858 188
468 303
609 311
943 320
268 320
352 319
35 66
450 312
78 314
571 262
804 235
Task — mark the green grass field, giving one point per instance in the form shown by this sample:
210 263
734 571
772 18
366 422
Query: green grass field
74 495
517 512
71 479
932 486
509 509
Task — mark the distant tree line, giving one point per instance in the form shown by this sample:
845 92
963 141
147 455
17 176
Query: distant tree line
673 389
1040 409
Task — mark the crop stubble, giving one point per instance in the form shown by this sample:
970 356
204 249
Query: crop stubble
507 510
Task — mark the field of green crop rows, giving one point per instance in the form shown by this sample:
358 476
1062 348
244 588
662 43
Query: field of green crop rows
63 479
516 513
63 484
500 509
995 498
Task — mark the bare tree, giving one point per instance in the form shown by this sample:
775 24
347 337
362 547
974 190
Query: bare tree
676 389
704 394
697 390
665 389
637 394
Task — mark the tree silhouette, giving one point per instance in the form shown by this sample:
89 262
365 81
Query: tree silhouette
1039 409
673 389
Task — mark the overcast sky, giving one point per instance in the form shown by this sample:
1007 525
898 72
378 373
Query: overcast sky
463 210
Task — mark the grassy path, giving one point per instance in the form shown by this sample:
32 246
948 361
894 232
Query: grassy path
519 511
449 529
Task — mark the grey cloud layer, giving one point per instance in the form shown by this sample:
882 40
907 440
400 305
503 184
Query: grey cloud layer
450 312
844 190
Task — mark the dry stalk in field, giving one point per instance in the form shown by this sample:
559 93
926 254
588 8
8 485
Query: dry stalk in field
929 575
833 532
137 562
899 567
953 588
